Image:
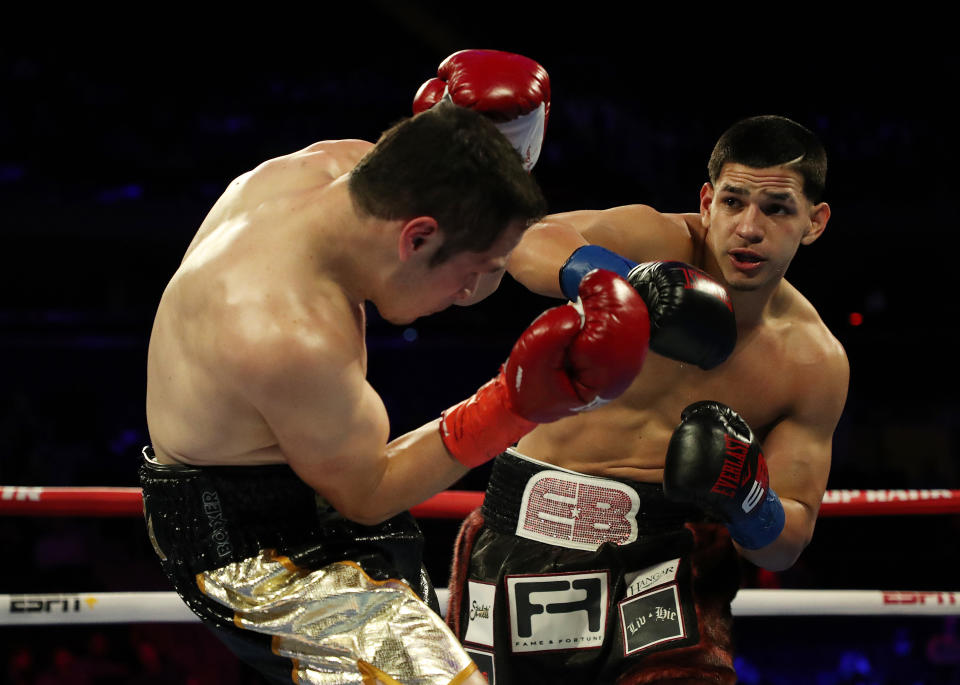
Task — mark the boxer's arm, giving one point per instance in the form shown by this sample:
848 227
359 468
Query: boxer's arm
333 430
332 427
798 452
536 261
637 232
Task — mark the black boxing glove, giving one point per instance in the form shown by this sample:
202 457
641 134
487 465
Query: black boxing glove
691 317
715 462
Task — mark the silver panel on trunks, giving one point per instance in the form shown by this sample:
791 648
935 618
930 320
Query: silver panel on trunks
335 622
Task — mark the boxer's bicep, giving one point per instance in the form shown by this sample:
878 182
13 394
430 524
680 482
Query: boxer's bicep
798 461
799 448
343 454
639 232
798 458
329 423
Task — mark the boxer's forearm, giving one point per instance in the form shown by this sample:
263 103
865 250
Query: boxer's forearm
416 466
783 552
536 261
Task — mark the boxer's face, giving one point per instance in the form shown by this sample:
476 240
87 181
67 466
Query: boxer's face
756 219
457 280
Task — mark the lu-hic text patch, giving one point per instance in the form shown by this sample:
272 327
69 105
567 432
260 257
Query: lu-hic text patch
651 618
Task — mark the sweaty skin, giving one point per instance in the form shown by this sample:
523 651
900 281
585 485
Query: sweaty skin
257 354
787 376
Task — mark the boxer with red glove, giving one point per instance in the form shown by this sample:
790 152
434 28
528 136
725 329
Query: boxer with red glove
512 90
570 359
715 462
691 317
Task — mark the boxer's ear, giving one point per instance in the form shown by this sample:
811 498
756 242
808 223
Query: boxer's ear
819 216
415 235
706 200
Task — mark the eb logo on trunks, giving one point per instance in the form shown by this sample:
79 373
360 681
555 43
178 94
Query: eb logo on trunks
579 512
563 611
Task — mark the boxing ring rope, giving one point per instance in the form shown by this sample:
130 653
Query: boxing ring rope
78 608
166 607
18 500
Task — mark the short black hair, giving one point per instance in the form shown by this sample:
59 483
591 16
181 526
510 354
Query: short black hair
768 141
452 164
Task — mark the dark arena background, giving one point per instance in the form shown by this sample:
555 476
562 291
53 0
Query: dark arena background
117 135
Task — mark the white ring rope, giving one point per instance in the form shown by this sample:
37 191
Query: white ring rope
167 607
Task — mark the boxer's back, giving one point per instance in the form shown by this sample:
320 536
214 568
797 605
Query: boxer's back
246 275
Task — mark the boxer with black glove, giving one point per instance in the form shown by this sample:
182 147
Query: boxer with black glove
691 317
727 326
715 461
510 89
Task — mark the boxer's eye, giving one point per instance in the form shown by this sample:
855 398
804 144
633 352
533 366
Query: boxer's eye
781 210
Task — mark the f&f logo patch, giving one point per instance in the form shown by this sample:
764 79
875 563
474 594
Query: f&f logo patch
554 612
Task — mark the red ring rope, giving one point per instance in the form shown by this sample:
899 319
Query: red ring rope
18 500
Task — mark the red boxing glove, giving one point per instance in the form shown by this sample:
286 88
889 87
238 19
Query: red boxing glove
513 90
612 346
566 361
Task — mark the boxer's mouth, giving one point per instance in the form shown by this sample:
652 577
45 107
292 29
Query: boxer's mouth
746 256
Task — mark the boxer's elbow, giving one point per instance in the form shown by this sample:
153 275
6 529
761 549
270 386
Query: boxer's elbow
774 557
364 511
536 261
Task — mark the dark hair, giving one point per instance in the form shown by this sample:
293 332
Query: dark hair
767 141
452 164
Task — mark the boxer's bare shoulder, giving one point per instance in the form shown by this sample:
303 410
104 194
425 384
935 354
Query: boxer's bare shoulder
284 182
246 301
248 361
326 158
309 169
806 344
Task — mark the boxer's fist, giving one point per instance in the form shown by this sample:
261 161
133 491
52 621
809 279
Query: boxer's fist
565 362
714 461
691 317
612 344
512 90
